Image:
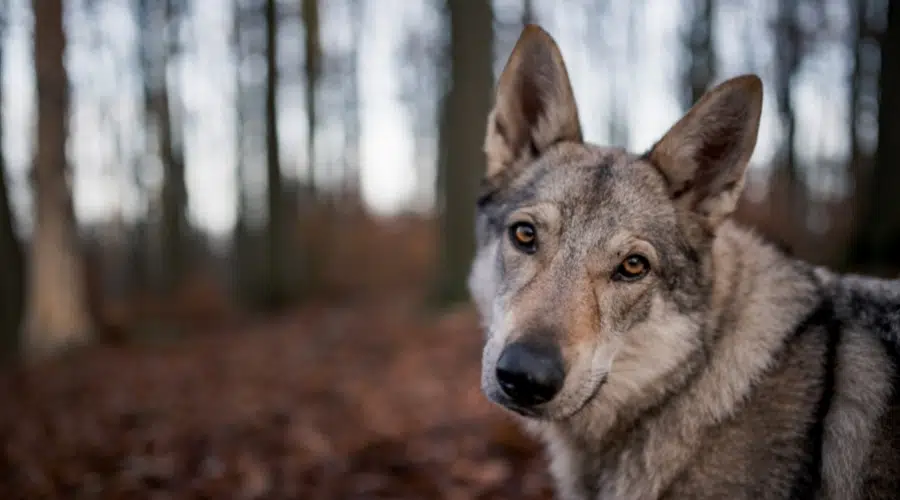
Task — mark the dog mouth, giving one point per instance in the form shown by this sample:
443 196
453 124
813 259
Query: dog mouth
521 410
547 411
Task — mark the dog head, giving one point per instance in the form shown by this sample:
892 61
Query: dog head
592 268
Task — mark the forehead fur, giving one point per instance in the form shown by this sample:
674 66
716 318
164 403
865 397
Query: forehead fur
591 184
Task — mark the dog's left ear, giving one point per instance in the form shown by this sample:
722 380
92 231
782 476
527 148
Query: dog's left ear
535 106
703 156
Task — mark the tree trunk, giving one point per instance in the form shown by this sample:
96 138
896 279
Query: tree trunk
173 204
313 72
11 256
174 191
11 281
174 200
702 65
276 242
528 15
314 255
620 69
462 133
787 174
858 9
860 166
352 105
11 286
876 245
57 314
242 267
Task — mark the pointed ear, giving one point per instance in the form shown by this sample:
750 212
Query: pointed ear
703 156
534 105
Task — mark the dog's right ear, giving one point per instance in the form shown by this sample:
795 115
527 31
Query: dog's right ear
534 105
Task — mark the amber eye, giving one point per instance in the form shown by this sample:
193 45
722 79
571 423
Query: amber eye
524 237
633 267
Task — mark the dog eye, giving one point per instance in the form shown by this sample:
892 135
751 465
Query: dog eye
524 237
632 268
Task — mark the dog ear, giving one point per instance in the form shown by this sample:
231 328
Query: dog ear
534 104
704 155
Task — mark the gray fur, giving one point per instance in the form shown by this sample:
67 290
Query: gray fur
730 370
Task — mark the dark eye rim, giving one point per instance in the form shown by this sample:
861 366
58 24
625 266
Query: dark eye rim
528 248
621 274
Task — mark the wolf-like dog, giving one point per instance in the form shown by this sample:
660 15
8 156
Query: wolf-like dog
657 347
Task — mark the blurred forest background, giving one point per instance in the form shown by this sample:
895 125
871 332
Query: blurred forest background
234 234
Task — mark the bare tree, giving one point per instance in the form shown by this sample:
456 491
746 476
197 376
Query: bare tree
175 228
10 247
276 242
352 103
11 280
313 70
422 80
157 45
788 39
464 112
313 256
528 15
240 234
700 70
619 63
57 313
858 10
876 244
863 101
237 48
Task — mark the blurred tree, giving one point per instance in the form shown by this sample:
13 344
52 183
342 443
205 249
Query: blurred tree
11 288
876 244
422 84
863 104
57 314
621 68
528 14
11 281
461 162
788 39
241 227
158 44
858 10
352 102
313 257
701 66
175 230
276 292
313 68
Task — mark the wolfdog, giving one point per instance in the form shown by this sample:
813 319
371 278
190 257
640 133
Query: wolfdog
659 349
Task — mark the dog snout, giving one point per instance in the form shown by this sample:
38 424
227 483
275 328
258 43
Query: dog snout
530 373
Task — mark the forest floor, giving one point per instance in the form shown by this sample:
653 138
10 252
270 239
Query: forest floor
374 401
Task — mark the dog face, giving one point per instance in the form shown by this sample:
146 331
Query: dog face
592 269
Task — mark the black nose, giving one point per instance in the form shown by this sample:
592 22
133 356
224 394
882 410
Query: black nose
530 373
